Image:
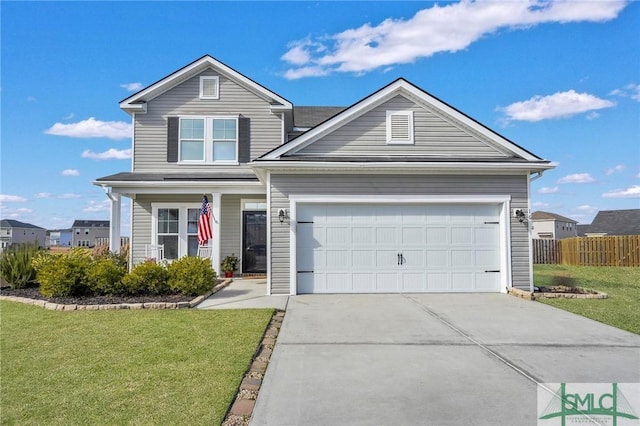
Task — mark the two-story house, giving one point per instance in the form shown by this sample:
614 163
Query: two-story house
553 226
399 192
15 232
85 233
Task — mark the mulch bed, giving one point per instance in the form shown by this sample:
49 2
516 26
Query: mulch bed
34 293
565 289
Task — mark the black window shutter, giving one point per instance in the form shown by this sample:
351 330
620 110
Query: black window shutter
173 125
244 139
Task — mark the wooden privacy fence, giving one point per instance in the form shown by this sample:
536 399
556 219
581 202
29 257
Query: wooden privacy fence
621 250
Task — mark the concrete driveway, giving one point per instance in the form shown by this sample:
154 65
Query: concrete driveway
439 359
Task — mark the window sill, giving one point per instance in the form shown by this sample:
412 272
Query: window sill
214 163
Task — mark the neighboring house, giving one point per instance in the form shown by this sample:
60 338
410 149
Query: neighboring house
399 192
59 238
582 230
16 232
615 222
86 232
547 225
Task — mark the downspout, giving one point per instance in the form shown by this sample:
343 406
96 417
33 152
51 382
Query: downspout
530 179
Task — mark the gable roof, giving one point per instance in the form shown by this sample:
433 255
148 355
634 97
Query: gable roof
11 223
137 102
90 224
414 93
540 215
616 222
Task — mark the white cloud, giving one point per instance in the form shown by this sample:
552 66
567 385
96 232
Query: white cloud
97 206
32 99
70 172
42 195
6 198
110 154
629 91
631 192
558 105
10 213
577 178
132 87
92 128
68 116
614 169
540 204
638 175
549 190
586 208
68 196
449 28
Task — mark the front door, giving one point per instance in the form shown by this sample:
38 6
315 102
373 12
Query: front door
254 238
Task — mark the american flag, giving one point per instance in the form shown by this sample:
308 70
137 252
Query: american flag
204 223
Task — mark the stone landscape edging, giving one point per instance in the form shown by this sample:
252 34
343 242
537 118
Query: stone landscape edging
527 295
52 306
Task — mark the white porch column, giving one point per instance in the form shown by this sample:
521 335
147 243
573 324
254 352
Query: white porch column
114 225
215 230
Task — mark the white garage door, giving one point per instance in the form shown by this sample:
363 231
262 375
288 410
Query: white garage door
386 248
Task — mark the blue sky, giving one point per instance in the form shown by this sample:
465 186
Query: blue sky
561 79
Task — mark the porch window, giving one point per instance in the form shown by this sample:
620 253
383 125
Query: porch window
176 226
168 231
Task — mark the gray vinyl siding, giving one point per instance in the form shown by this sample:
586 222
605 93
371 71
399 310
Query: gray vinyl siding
142 215
433 136
150 129
282 186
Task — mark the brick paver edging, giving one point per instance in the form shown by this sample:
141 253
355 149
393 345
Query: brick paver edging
118 306
239 414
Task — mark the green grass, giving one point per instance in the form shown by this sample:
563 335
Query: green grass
621 309
123 367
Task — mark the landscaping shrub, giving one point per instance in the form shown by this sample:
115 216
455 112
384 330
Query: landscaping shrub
146 277
63 274
191 275
104 276
15 265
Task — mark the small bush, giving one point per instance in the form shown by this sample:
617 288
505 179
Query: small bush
63 274
104 276
15 265
191 275
146 277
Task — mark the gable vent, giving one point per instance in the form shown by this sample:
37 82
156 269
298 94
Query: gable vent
209 87
400 127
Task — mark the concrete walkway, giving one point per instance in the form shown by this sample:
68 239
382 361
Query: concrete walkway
440 359
244 294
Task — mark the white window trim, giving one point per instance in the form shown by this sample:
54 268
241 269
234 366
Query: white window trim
209 77
208 139
183 236
390 139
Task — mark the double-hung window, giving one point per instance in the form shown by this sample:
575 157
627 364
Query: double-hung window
176 226
209 139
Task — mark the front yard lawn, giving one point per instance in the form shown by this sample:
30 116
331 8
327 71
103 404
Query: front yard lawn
123 367
621 309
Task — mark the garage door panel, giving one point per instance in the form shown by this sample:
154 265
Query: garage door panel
356 248
337 259
414 236
387 282
362 236
387 235
338 235
413 281
437 235
462 235
437 281
437 259
462 281
363 259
